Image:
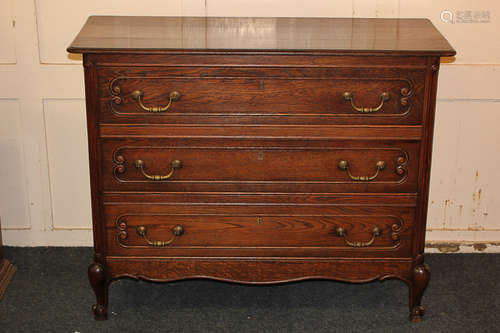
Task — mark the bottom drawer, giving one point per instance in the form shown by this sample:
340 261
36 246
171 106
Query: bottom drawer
303 231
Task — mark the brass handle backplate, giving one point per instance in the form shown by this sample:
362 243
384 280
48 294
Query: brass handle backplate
175 164
383 98
138 94
344 166
142 231
341 232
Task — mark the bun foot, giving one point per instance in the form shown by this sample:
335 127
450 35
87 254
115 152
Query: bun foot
417 313
100 312
99 282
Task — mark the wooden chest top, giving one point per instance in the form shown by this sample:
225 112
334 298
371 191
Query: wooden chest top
242 34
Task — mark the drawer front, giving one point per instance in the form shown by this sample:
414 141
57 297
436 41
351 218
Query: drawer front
264 96
316 166
264 231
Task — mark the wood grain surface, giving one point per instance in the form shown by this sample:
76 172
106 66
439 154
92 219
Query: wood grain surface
300 95
259 166
341 35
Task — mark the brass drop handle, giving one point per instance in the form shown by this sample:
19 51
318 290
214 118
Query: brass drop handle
142 231
341 232
383 98
344 166
138 94
175 164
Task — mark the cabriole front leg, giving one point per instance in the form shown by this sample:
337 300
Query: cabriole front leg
421 275
100 283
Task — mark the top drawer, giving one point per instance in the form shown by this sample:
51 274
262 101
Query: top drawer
242 95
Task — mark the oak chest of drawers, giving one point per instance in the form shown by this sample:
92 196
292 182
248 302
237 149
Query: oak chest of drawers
260 150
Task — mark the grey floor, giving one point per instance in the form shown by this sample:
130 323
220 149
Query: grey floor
50 293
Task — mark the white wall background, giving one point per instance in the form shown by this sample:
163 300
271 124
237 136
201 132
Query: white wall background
44 180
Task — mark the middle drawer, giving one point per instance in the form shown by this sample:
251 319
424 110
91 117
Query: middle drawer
290 166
